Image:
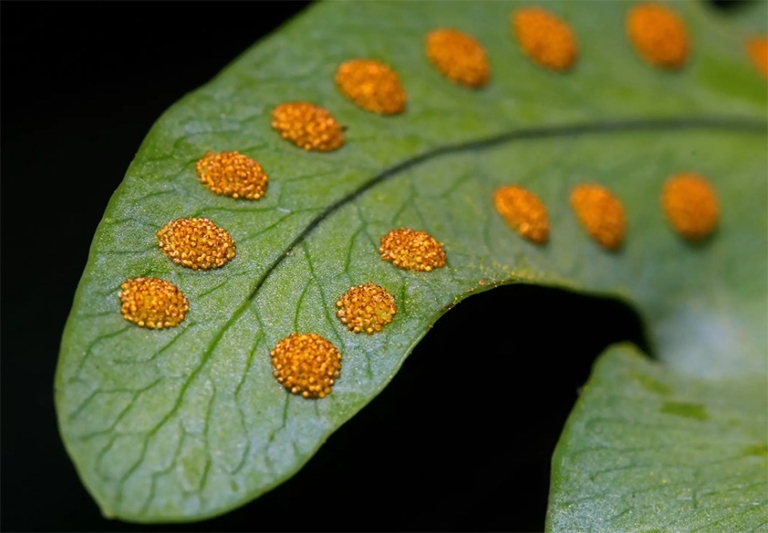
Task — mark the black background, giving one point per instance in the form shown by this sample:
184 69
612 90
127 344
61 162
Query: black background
81 85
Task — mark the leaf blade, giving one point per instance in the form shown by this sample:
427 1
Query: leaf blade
226 389
710 436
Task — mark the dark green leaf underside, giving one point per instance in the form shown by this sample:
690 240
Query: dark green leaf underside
187 423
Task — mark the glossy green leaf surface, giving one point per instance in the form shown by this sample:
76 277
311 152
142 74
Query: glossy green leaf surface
187 423
649 448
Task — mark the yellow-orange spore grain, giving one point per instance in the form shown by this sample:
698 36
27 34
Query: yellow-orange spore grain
523 211
371 85
412 250
306 364
458 56
691 206
232 174
152 303
658 34
545 38
307 126
196 243
366 307
601 214
757 48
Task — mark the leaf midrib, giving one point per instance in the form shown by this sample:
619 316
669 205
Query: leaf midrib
577 129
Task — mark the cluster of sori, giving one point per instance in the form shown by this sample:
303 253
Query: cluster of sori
308 364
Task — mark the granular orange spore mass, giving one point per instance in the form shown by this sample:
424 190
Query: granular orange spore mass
458 56
545 38
757 49
371 85
659 35
691 205
600 213
523 211
152 303
306 364
196 243
366 307
308 126
232 174
412 250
